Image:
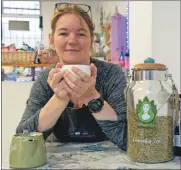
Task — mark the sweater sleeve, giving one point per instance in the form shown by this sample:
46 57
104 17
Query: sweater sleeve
113 92
37 99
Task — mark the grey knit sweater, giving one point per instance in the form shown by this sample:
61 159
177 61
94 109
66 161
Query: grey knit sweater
110 83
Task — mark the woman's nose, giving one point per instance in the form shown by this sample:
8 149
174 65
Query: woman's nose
72 39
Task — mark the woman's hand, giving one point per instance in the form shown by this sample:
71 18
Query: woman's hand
84 88
56 82
77 102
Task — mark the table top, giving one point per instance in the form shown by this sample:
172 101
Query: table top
72 156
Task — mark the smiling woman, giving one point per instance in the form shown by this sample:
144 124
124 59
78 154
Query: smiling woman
72 34
86 109
72 40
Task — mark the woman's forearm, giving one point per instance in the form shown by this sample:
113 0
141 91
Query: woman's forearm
106 113
51 112
112 125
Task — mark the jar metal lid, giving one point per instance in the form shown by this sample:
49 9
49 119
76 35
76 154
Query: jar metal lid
149 66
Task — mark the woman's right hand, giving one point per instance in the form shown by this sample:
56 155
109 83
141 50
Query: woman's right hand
56 82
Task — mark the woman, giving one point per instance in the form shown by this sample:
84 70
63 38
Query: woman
55 96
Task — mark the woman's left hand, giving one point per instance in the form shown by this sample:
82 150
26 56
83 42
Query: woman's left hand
83 88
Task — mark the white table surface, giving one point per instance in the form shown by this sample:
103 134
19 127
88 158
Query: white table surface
71 156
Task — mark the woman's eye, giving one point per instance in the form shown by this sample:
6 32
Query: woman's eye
82 35
63 34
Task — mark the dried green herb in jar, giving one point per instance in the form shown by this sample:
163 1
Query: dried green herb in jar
150 144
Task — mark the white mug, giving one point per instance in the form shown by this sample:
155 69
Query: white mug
85 68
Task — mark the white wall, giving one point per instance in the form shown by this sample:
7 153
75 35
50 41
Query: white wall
14 96
140 31
166 36
48 9
155 32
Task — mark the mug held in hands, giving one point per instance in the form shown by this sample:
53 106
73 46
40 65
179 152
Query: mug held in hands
84 68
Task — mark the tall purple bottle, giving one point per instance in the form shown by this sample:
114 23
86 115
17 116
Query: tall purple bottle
118 36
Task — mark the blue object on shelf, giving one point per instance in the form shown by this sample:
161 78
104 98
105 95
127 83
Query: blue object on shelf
11 76
149 60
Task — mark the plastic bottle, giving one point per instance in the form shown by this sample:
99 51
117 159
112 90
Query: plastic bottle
122 58
39 47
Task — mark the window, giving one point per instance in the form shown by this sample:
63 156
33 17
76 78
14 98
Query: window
28 11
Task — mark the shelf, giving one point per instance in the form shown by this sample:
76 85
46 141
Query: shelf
27 65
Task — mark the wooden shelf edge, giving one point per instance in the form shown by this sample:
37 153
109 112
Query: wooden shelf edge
26 65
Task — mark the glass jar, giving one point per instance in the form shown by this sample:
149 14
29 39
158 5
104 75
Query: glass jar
152 110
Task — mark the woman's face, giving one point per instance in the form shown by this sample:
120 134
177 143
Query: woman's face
146 108
72 40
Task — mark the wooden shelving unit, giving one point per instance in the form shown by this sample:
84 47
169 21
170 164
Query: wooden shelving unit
33 66
26 65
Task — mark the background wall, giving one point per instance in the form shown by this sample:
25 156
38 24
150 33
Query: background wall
166 36
155 32
140 31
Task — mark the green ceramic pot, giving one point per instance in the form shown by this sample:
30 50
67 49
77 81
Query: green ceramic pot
27 151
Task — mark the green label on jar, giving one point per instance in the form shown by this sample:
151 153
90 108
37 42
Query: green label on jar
146 111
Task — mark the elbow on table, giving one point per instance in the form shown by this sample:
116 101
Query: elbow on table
23 127
20 128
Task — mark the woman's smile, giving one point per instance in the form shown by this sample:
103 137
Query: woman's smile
72 50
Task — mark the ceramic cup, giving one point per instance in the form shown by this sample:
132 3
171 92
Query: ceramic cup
85 68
